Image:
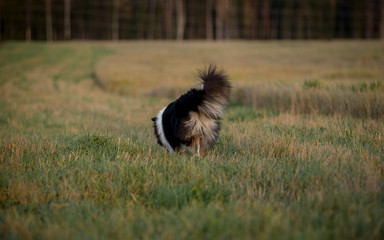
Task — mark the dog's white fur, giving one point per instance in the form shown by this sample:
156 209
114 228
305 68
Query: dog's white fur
160 130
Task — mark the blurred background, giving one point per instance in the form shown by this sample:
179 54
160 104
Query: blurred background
55 20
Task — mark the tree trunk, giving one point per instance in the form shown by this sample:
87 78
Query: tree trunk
67 19
208 20
381 19
299 20
307 16
48 19
219 28
369 19
222 18
233 20
287 23
168 18
266 19
250 18
151 19
180 19
332 18
115 20
140 15
28 32
0 21
219 7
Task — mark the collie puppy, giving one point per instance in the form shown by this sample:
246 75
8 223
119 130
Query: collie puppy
193 120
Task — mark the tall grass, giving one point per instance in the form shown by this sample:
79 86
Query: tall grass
313 99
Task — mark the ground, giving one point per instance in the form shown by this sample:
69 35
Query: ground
300 156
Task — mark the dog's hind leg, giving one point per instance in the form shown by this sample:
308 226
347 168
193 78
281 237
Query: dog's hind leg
196 142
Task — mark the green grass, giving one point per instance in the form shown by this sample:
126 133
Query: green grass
79 160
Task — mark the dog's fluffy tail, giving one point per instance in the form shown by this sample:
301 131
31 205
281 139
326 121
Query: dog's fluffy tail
217 90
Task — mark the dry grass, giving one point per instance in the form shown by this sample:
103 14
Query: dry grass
343 78
168 64
80 162
366 103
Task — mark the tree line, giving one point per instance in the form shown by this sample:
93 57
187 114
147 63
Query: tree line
53 20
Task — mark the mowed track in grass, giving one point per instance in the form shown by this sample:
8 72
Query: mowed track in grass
79 161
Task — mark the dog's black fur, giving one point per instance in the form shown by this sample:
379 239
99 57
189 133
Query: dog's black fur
195 114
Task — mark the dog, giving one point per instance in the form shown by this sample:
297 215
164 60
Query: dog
193 120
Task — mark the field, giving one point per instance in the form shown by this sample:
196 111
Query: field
300 156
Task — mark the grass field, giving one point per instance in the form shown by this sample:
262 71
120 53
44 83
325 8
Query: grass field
300 156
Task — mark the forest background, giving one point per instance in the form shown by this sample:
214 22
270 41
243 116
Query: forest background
55 20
